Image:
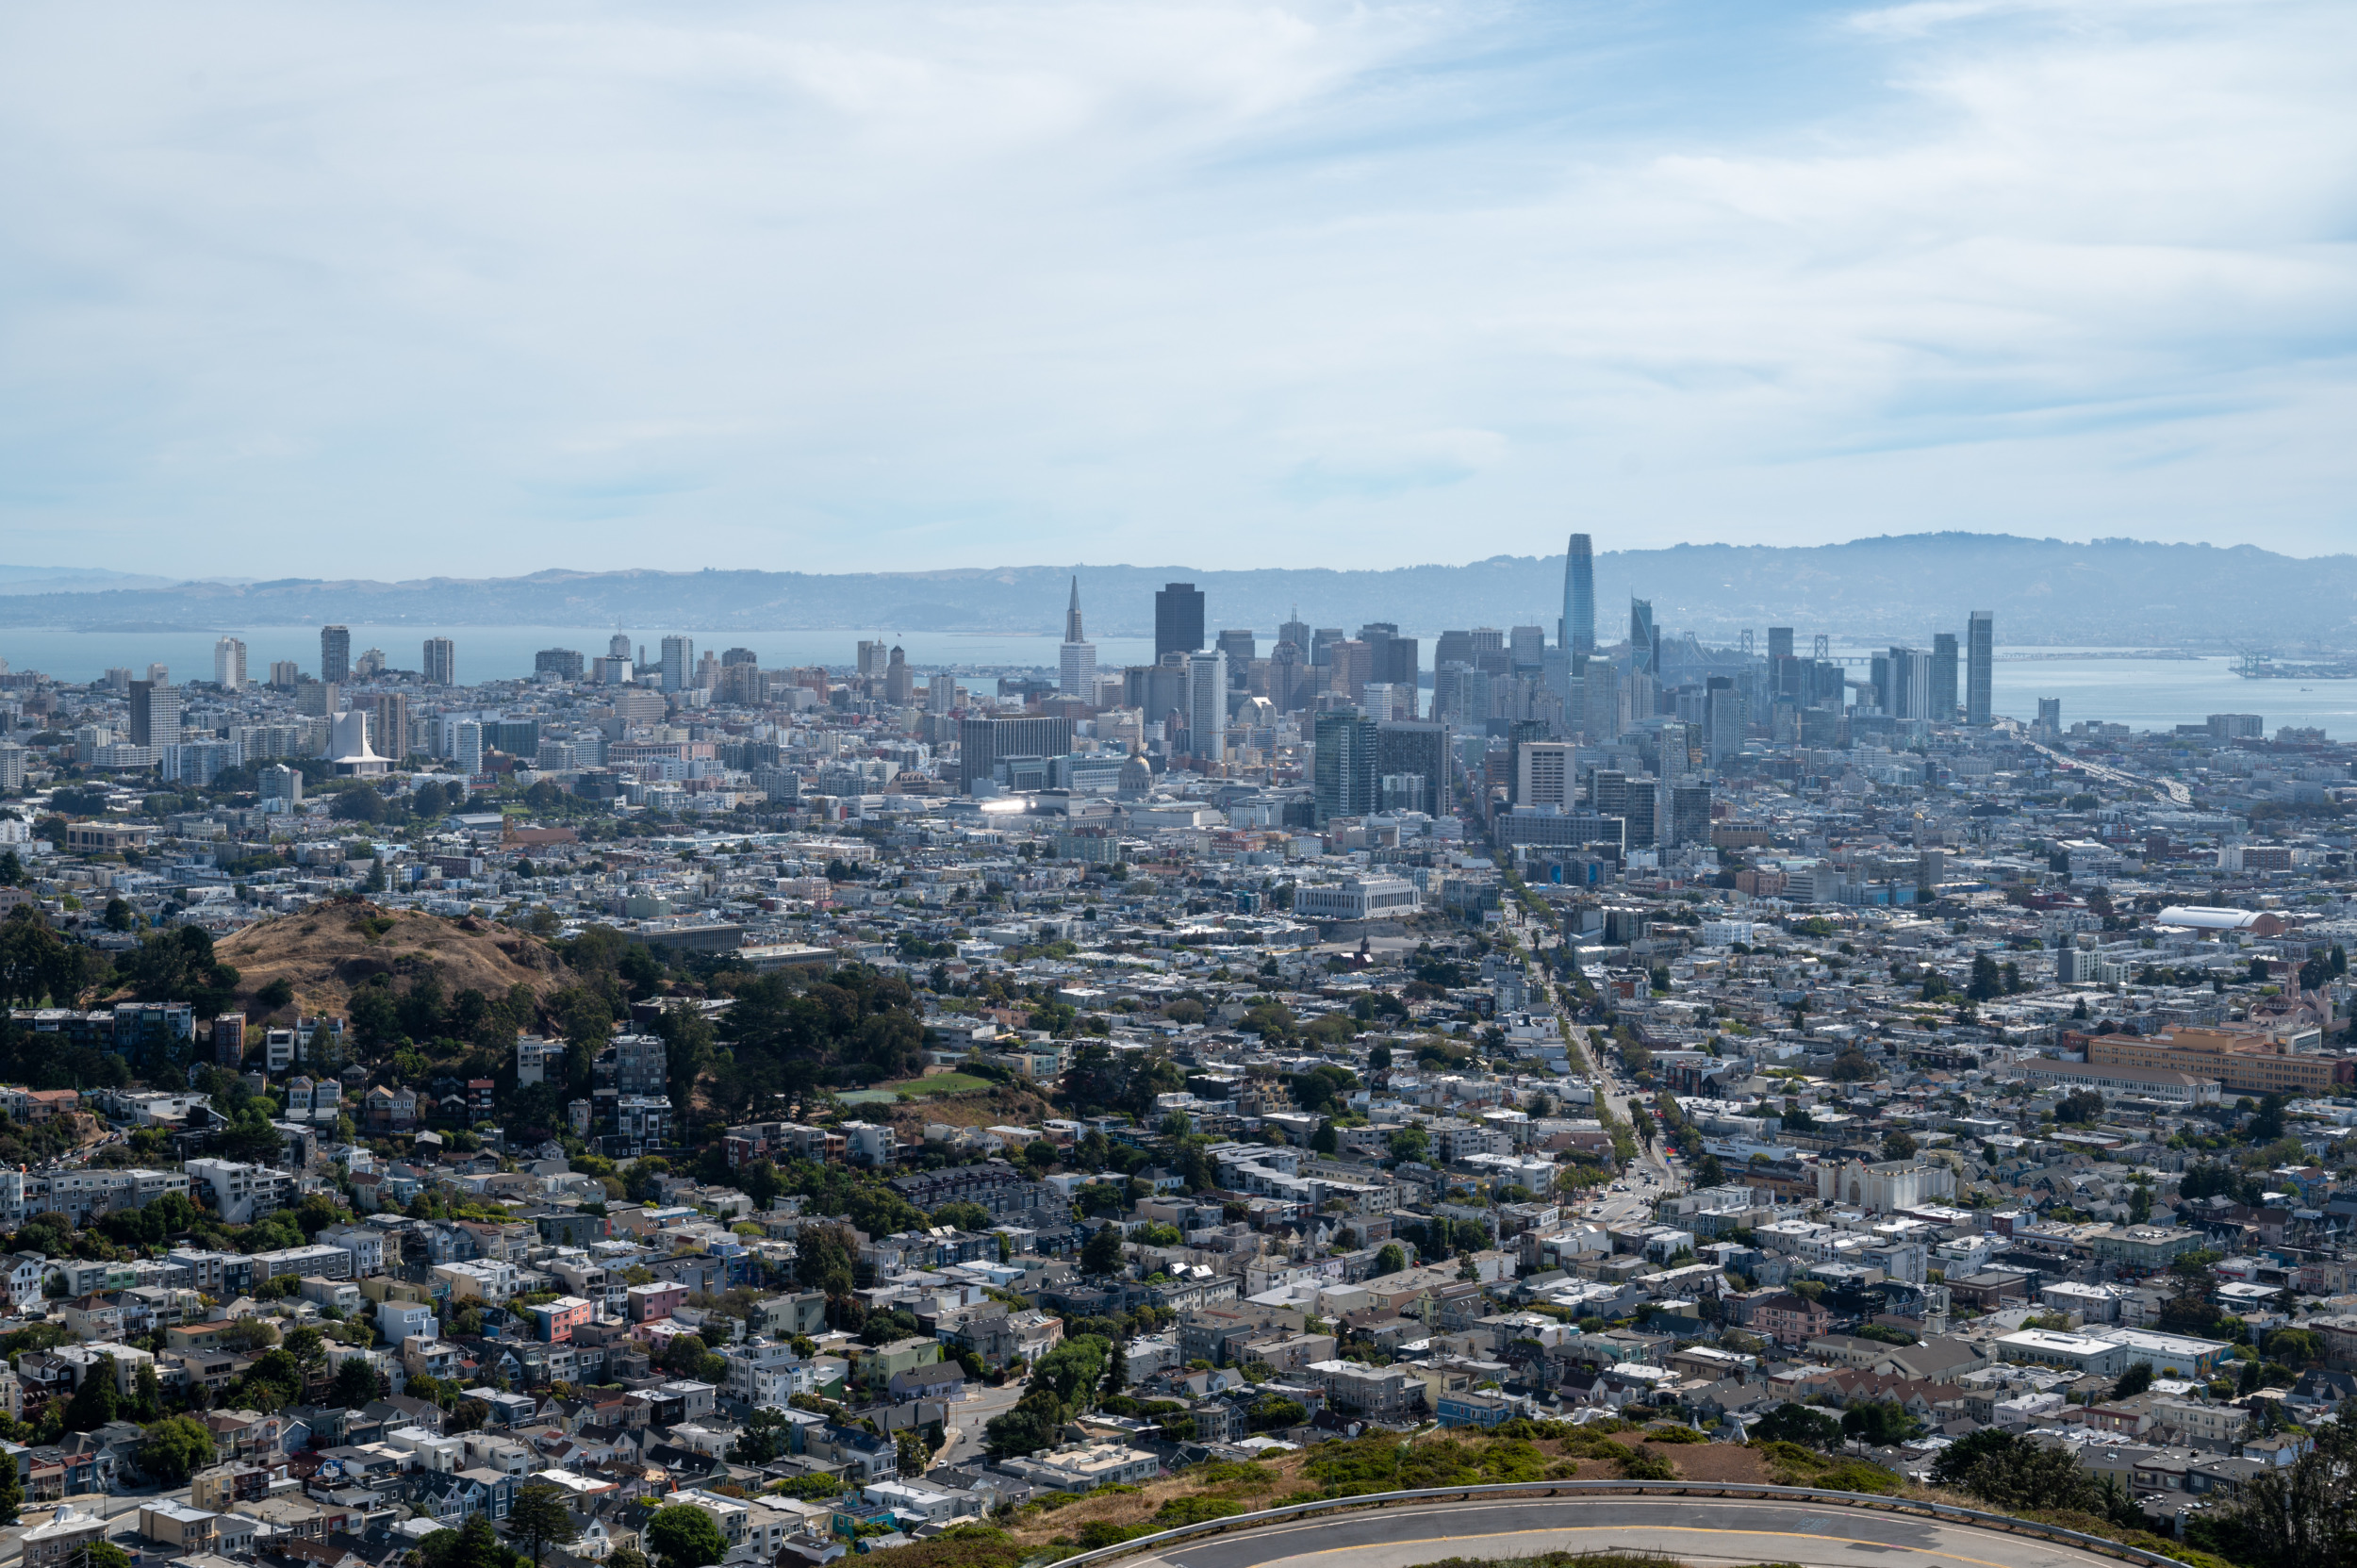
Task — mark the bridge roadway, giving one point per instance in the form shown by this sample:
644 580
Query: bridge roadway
1698 1530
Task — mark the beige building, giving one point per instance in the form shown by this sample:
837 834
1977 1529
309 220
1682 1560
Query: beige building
2244 1063
176 1525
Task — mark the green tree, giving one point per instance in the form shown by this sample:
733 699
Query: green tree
1898 1145
764 1437
1878 1425
476 1547
1997 1467
11 1491
1389 1259
175 1448
1796 1423
356 1383
684 1536
960 1215
97 1402
539 1515
1413 1145
1102 1255
2293 1516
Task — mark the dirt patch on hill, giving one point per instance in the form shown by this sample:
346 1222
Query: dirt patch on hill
1734 1463
331 949
1000 1107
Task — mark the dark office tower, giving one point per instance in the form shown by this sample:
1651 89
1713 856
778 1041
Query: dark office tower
982 742
1177 619
1980 666
1489 650
1296 631
1779 643
1644 644
1690 814
1342 772
1527 646
1943 678
1453 648
1830 686
1579 597
1400 666
1377 635
1641 810
1410 746
334 654
155 714
1284 676
564 664
1241 647
1322 643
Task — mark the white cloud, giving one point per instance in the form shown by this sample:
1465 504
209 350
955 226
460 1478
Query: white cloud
385 287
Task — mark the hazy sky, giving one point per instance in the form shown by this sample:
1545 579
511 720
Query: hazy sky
421 288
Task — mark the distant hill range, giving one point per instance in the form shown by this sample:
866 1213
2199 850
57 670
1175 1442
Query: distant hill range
2113 592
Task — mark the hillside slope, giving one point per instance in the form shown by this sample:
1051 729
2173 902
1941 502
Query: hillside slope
1903 587
328 950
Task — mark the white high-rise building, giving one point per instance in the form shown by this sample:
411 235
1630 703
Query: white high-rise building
230 663
1207 705
466 747
679 663
441 662
1075 673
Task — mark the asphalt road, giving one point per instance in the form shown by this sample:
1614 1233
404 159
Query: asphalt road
1651 1176
1695 1530
967 1417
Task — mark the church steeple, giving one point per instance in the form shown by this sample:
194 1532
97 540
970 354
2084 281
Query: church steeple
1072 615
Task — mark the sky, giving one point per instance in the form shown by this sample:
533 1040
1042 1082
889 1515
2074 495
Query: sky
415 290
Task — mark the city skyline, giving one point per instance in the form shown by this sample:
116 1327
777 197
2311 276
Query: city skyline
830 287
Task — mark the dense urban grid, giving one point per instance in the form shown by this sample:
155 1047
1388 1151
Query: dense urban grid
669 1110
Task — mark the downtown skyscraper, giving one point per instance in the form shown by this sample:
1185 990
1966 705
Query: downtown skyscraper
1579 597
1076 666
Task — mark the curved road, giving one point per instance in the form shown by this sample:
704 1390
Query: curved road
1691 1529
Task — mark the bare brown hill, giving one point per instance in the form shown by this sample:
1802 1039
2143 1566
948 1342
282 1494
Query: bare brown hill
330 950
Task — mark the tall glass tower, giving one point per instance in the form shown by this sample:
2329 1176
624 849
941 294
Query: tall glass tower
1980 655
1579 597
1644 644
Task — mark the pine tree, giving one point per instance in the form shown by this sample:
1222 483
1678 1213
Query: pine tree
96 1402
538 1516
